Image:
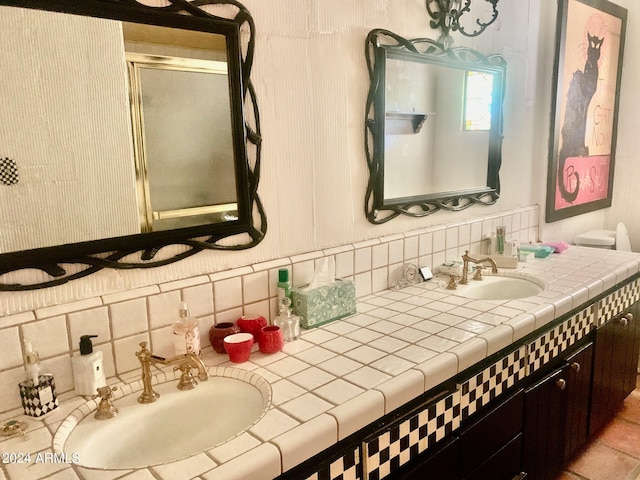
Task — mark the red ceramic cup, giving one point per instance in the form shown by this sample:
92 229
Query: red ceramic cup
218 332
271 339
238 346
252 324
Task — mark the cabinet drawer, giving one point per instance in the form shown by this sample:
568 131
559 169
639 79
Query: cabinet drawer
492 432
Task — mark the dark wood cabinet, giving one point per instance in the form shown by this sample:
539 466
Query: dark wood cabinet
578 401
443 464
489 447
615 366
483 444
545 425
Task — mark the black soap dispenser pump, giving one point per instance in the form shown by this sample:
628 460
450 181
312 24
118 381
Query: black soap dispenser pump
88 371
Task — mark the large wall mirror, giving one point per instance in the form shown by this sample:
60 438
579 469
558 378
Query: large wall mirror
130 135
433 127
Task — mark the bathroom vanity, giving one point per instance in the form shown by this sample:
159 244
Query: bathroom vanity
521 412
426 383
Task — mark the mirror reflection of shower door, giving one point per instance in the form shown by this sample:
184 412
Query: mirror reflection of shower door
182 135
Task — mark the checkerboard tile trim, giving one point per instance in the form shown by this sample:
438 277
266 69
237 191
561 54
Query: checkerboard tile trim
347 467
558 339
617 302
492 382
403 441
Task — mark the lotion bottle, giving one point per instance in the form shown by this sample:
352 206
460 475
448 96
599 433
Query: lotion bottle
186 334
88 371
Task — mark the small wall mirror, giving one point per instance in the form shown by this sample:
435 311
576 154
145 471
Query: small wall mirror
128 127
433 126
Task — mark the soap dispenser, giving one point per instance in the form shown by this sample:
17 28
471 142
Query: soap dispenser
186 334
88 371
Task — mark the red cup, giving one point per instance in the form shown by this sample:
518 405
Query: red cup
271 339
252 324
238 346
218 332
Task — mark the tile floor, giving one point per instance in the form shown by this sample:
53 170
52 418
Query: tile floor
614 454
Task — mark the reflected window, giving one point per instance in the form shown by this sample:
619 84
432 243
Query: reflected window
478 95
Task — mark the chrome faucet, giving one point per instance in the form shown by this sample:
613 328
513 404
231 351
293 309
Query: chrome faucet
465 267
185 364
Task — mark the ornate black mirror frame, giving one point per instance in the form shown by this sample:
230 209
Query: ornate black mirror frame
379 44
68 262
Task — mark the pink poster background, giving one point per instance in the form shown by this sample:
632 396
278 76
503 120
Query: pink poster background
594 179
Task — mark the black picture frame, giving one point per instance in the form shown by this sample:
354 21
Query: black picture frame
590 38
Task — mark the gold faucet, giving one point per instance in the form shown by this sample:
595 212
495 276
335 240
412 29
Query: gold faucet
465 266
186 363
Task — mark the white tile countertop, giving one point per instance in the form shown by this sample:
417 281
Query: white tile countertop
339 378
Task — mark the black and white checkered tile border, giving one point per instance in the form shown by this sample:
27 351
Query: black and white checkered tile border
492 382
617 302
405 440
347 467
555 341
8 171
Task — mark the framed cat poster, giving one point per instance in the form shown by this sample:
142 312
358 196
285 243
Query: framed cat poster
582 142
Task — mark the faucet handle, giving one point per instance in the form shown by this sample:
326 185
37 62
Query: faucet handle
452 283
187 382
105 409
478 274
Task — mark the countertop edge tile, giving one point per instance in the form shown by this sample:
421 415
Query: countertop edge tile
522 325
401 389
260 463
499 337
438 369
358 412
470 352
295 446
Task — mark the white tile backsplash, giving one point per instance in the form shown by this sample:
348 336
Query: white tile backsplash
10 348
48 337
129 318
123 319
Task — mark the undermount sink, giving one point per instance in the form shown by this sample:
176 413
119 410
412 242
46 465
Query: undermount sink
501 287
177 425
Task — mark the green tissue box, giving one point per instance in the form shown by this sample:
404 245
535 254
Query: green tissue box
324 304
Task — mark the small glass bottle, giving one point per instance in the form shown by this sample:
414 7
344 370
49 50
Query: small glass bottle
186 334
287 321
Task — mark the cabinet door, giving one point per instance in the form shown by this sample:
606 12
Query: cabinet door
503 465
545 415
615 366
442 465
489 435
579 393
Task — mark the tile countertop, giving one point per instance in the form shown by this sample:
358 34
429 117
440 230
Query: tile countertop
338 378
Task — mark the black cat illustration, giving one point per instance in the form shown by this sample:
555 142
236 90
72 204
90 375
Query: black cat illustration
581 89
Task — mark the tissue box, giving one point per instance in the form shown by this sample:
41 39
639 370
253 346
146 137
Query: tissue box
324 304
